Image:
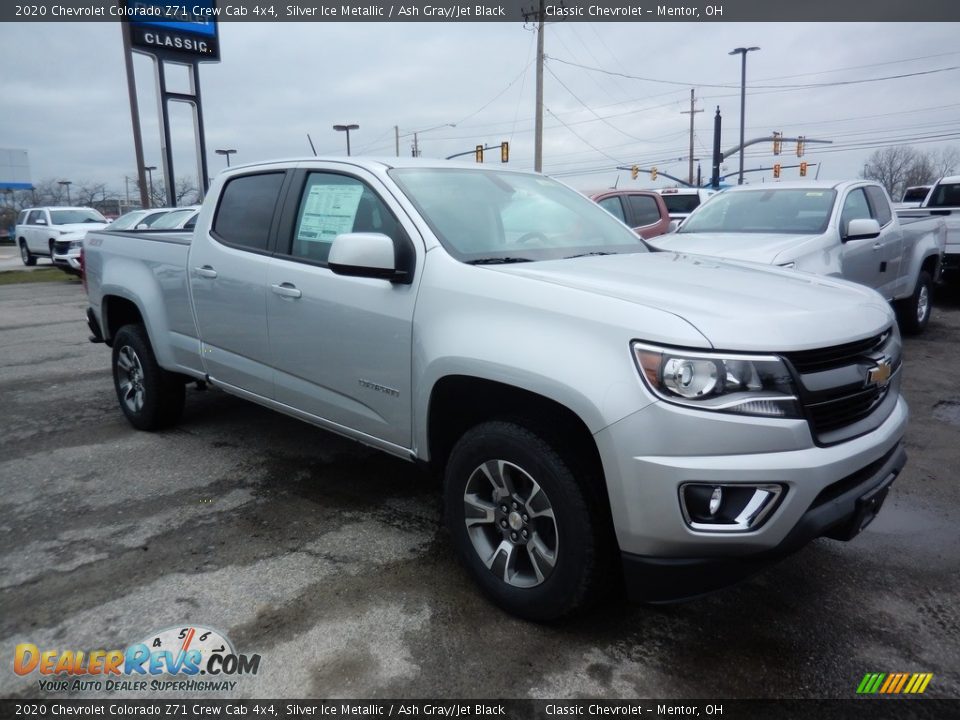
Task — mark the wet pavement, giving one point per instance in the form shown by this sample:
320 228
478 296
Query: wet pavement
329 561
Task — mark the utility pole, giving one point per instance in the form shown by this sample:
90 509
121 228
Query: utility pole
537 13
691 112
416 146
396 137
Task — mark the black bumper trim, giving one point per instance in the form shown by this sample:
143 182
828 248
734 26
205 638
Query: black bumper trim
650 579
96 336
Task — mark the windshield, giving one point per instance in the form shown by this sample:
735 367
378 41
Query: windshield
764 211
172 219
127 221
497 216
76 215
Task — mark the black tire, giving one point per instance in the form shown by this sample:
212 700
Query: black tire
29 259
576 533
914 312
149 396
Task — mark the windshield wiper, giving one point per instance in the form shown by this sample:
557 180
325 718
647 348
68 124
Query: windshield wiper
589 254
500 260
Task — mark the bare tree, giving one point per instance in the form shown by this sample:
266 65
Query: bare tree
945 161
890 167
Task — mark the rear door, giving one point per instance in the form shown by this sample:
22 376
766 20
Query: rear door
341 345
227 266
644 213
38 231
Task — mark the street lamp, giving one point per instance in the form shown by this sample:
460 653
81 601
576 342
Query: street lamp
150 169
68 183
227 153
742 52
346 129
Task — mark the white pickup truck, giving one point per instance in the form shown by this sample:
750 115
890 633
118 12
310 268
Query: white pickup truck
596 410
842 229
943 200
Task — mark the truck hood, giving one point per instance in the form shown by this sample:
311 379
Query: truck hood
736 306
753 247
79 229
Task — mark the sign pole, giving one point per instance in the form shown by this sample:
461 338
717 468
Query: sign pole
134 114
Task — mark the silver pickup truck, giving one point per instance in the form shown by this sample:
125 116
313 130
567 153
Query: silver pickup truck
842 229
597 411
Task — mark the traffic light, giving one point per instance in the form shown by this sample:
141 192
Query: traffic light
776 170
653 173
800 146
776 142
478 153
634 171
803 169
504 152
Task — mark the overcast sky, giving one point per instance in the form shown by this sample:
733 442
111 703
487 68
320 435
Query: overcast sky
64 94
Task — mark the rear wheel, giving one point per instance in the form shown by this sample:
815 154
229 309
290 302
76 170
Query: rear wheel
523 523
149 396
29 259
914 312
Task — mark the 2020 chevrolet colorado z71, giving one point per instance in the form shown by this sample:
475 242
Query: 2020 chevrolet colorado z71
596 409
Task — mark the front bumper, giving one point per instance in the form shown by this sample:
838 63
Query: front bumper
69 260
840 512
649 455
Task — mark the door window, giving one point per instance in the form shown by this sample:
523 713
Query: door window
246 210
34 216
612 205
855 207
332 204
644 210
879 204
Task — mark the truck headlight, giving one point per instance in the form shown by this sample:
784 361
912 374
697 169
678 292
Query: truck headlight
758 385
76 244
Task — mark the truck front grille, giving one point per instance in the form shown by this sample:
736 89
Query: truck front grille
835 389
61 247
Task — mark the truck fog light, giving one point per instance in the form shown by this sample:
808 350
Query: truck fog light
715 499
728 507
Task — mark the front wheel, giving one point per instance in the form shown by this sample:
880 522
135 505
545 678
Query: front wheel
28 258
914 311
149 396
522 523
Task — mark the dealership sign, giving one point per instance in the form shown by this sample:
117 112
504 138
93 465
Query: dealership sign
174 32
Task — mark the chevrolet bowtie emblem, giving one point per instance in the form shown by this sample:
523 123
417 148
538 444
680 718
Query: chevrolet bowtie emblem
880 374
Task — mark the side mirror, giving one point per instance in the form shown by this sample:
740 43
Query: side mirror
862 229
364 255
673 226
142 226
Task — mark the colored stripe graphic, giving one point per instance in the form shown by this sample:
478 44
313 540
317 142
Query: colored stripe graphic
894 683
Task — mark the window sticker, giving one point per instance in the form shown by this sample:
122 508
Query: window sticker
329 211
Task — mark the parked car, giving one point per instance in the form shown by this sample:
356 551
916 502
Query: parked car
843 229
642 210
569 384
183 218
67 255
943 200
913 197
42 231
683 201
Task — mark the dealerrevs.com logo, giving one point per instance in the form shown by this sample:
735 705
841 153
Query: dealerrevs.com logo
186 658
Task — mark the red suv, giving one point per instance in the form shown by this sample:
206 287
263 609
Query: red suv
643 210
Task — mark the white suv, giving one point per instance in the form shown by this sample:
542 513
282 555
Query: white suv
683 201
54 230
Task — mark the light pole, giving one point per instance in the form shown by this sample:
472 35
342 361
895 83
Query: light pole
150 169
416 142
227 153
742 52
346 129
68 183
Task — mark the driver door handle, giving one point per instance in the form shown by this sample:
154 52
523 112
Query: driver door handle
287 290
206 271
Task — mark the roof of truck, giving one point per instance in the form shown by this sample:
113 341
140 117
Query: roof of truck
389 162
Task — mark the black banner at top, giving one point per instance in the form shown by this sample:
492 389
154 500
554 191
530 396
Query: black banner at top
502 11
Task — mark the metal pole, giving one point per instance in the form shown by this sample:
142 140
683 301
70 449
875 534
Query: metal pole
134 112
348 142
165 141
396 138
692 113
200 137
743 106
538 134
717 157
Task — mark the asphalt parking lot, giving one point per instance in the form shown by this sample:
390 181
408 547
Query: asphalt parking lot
329 561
